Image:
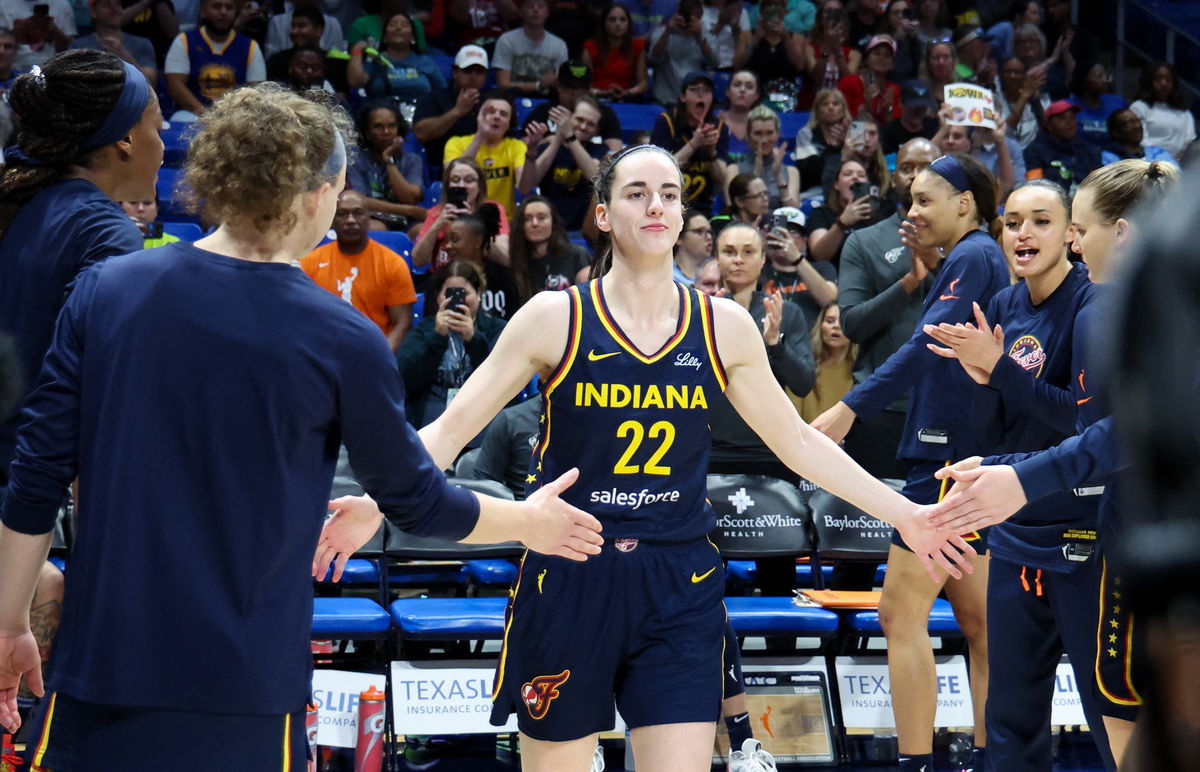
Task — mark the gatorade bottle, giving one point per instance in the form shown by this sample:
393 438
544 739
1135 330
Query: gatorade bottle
372 707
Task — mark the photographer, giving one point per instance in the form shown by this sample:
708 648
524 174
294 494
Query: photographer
444 348
463 192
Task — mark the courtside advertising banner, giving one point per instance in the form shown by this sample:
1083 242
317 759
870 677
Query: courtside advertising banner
1067 708
444 698
866 692
335 693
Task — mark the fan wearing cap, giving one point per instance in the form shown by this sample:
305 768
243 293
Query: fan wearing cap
807 284
574 81
527 58
868 92
917 117
677 49
108 36
451 112
698 140
1055 155
975 60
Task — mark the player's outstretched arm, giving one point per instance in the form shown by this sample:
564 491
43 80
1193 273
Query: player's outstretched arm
543 523
21 559
767 410
981 496
531 343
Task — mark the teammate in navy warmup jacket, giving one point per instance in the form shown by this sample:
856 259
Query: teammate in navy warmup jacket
990 493
200 395
631 361
951 198
1044 559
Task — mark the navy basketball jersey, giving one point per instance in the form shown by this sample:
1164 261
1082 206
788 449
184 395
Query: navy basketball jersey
216 68
635 424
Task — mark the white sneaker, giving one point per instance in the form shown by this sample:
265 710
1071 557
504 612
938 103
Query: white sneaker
598 760
751 758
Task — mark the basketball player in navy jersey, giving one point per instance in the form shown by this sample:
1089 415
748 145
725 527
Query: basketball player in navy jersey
988 491
630 363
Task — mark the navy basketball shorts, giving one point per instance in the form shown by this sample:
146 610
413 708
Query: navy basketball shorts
923 488
641 624
69 735
1121 657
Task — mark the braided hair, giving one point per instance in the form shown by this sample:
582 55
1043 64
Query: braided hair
57 109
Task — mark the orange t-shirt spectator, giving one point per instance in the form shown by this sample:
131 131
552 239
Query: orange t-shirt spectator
364 273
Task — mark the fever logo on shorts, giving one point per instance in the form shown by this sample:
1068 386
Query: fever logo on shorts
541 691
1027 351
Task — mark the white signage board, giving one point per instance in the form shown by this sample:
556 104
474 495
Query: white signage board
866 692
1066 708
335 693
970 105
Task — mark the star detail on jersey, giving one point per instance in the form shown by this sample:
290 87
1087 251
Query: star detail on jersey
1112 652
697 579
741 500
1112 638
538 693
531 478
594 357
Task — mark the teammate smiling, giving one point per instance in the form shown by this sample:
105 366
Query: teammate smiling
643 621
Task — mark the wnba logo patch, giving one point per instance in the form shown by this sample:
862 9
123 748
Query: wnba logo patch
1027 351
541 691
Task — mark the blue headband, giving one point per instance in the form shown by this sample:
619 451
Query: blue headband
948 168
126 113
337 157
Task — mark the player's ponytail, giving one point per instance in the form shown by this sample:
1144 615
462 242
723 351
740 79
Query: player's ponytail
602 184
1117 187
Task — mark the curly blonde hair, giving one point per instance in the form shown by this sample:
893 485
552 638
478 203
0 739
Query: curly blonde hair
258 148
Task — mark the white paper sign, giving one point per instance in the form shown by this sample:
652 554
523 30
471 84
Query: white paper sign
1066 708
970 105
430 698
866 692
335 693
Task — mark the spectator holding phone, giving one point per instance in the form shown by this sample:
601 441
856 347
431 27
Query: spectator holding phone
869 93
107 36
41 28
809 285
850 204
448 345
900 23
863 145
677 48
469 239
698 140
770 50
463 192
829 56
144 214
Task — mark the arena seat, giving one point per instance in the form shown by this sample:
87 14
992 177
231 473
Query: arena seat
489 573
357 571
433 194
399 242
349 618
635 117
168 179
175 140
449 619
789 124
754 616
941 621
526 105
740 575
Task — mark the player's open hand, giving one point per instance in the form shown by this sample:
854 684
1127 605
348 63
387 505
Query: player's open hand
555 527
982 496
354 521
975 348
19 658
936 549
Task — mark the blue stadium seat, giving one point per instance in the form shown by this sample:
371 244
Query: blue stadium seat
741 574
397 241
168 179
357 571
720 84
526 105
58 562
490 573
449 619
433 194
635 117
445 65
353 618
790 123
779 616
175 143
941 621
185 231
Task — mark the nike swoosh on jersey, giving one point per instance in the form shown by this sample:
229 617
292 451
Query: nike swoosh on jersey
703 576
322 265
594 357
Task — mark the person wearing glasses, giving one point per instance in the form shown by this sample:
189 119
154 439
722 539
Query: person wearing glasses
694 247
748 203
